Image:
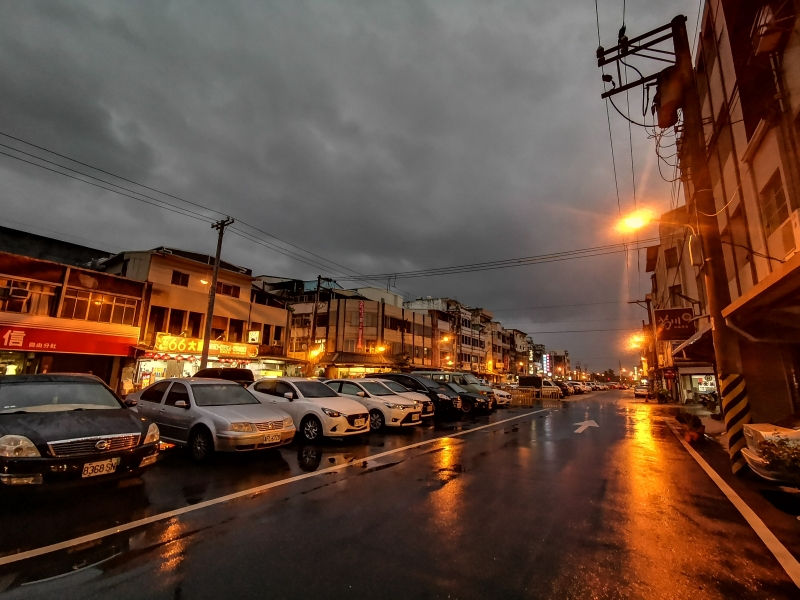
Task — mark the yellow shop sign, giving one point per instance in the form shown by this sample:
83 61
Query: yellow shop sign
182 345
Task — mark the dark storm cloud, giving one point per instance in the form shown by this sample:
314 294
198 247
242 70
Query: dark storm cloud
385 135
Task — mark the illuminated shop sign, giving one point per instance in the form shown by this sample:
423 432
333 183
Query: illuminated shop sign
173 343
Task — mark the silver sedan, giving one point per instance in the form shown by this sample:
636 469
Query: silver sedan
212 414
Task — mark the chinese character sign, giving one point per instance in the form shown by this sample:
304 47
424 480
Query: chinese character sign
360 325
674 324
182 345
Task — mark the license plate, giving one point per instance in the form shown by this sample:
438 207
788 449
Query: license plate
415 417
360 422
272 438
103 467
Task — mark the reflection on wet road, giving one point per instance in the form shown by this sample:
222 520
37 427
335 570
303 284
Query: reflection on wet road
526 508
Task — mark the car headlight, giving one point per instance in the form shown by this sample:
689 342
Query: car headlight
443 397
17 446
243 427
287 422
482 393
393 406
153 434
331 413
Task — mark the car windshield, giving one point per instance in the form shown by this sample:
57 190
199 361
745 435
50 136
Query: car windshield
430 384
376 389
394 386
315 389
457 388
221 394
471 379
55 396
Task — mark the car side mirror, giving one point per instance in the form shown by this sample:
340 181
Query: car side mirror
361 395
289 396
181 404
131 402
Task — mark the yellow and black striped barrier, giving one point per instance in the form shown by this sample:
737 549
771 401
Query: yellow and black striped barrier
736 411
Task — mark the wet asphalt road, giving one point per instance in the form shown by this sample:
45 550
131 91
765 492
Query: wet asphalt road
526 508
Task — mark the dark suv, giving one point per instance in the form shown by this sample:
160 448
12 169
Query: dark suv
443 398
243 377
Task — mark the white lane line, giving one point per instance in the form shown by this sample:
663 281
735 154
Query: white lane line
787 560
12 558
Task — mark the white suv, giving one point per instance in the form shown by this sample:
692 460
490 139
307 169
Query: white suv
386 408
315 408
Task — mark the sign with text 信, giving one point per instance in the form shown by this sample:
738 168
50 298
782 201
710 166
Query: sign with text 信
674 324
182 345
30 339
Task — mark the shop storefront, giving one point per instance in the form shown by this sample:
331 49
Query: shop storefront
175 356
69 348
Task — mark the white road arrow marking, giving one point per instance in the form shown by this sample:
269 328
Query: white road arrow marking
585 425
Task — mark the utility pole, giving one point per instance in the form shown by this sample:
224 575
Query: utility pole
735 404
212 293
677 89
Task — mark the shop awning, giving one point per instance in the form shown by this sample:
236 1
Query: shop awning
699 347
770 310
353 358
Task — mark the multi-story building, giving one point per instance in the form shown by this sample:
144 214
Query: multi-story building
677 284
748 79
248 328
348 334
57 317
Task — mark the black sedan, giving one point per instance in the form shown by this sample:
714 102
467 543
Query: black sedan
56 428
566 390
470 401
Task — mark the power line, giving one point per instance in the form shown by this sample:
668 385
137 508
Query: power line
559 306
514 262
584 330
164 204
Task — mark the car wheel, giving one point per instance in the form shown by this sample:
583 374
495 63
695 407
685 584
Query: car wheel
201 444
311 429
466 406
376 421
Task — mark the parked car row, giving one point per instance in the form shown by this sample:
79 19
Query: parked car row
55 428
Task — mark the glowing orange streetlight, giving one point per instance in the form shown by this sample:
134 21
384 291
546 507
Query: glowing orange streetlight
636 220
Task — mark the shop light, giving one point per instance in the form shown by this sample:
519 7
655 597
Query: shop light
204 281
381 349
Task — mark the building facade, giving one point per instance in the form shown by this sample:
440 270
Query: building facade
748 78
248 328
60 318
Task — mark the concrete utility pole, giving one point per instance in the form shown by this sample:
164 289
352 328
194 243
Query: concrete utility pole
212 293
677 90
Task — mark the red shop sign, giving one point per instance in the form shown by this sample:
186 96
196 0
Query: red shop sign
30 339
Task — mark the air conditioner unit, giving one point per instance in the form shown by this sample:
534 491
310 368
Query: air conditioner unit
784 242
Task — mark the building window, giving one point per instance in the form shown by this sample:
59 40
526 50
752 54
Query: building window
179 278
26 297
675 299
773 204
226 289
349 346
300 321
278 335
102 308
671 258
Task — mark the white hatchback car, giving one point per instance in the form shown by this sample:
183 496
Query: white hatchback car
425 403
386 408
316 409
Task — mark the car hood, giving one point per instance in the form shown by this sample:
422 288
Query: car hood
395 399
45 427
250 413
414 396
340 404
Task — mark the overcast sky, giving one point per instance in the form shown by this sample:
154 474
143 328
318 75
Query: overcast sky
383 135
